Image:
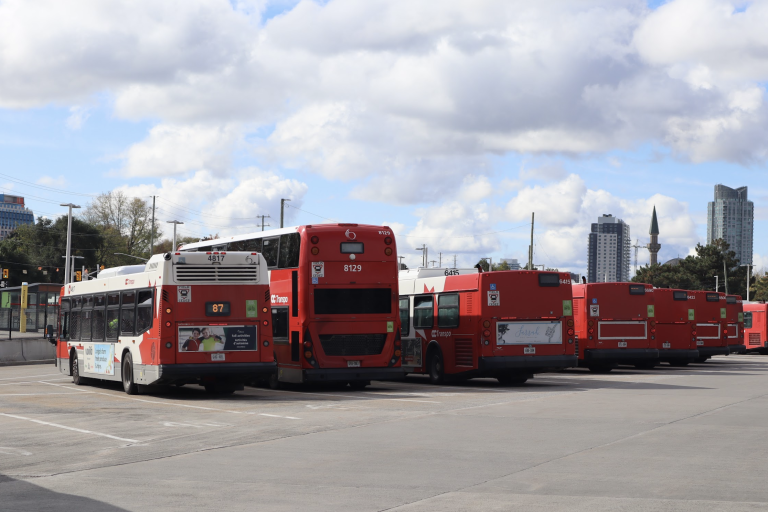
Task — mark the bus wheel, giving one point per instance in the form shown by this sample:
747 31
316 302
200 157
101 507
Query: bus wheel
129 386
512 379
436 368
74 369
600 369
702 359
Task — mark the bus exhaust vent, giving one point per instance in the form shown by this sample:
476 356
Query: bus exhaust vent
216 273
463 352
352 344
754 338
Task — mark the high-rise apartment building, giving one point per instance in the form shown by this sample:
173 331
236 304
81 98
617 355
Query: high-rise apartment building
732 217
13 214
608 253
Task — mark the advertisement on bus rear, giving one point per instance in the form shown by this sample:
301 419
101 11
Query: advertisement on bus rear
217 338
529 333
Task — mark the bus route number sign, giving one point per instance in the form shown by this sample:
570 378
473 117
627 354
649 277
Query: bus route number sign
217 309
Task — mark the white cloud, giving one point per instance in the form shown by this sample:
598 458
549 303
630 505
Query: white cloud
48 181
78 115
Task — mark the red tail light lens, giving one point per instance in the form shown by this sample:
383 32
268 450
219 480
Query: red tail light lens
694 333
397 343
265 322
308 344
167 324
314 239
653 331
487 333
591 331
388 240
570 332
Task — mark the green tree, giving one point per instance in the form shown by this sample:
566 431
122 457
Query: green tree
483 264
759 290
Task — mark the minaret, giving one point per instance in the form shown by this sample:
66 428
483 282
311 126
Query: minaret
654 246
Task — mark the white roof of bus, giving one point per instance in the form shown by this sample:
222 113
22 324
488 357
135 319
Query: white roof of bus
238 238
120 271
419 273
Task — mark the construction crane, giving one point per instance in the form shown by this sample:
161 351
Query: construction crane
636 247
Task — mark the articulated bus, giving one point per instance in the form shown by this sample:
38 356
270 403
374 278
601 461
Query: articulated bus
675 328
333 300
734 312
756 327
615 324
458 323
180 319
710 319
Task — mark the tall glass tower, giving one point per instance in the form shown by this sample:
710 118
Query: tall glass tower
732 217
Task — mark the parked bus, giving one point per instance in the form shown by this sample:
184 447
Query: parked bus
615 324
675 328
734 311
756 327
459 323
333 300
199 318
710 319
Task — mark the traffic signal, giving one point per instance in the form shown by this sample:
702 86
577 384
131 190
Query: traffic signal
5 273
78 275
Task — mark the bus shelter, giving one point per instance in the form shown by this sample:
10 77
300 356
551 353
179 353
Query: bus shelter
42 306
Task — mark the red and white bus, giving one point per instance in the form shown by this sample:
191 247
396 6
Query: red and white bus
734 311
756 327
507 324
333 300
615 324
675 328
180 319
710 319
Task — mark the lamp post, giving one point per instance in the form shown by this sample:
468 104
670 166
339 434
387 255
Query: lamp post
67 267
175 223
749 268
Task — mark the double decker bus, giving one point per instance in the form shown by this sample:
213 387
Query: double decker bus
675 328
756 327
459 323
710 320
615 324
180 319
333 290
734 312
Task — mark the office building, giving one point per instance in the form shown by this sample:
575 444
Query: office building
13 214
608 251
731 217
512 263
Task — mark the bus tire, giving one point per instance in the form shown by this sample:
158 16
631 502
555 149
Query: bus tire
512 379
74 369
702 359
436 370
600 368
129 385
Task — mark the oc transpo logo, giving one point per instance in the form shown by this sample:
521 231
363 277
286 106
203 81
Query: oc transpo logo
129 281
350 234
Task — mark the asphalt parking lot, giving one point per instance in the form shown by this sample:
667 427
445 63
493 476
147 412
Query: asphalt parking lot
666 439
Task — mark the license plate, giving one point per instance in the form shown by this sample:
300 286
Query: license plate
529 350
353 364
666 344
218 357
700 343
622 344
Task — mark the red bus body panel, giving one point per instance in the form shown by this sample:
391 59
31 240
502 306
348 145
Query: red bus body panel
674 331
756 327
711 322
734 311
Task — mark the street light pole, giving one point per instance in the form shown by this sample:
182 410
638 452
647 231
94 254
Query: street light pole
282 210
175 223
749 268
69 242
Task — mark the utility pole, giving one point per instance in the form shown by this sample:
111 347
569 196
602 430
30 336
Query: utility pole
282 211
725 272
423 250
636 247
401 262
152 230
262 220
717 285
67 267
71 275
749 268
440 257
175 223
530 248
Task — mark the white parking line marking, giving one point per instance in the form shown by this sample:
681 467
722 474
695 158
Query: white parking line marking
38 394
276 416
31 381
82 431
13 451
349 396
30 376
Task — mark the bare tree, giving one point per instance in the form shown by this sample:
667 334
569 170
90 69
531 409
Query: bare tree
125 221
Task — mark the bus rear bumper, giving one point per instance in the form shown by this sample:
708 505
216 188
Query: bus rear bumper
526 362
713 351
737 349
340 374
612 355
169 373
678 354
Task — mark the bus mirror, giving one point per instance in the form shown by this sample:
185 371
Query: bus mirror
50 334
167 256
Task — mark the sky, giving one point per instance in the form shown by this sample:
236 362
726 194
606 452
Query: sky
449 121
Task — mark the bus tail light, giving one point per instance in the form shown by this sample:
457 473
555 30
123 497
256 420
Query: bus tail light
388 251
167 324
264 310
397 353
653 323
308 349
168 311
315 251
486 324
314 239
397 343
591 331
591 323
168 345
308 354
308 343
388 240
653 330
265 322
693 332
570 322
570 332
487 333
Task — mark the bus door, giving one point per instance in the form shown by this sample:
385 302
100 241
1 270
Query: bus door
413 349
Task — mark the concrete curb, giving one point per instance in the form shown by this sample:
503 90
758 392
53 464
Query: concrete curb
25 363
26 350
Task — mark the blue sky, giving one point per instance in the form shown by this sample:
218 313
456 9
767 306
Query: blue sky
450 126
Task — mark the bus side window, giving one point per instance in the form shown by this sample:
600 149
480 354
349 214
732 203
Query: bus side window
85 318
280 325
128 313
270 250
448 310
64 319
99 304
423 311
144 311
405 316
74 319
113 315
747 319
289 250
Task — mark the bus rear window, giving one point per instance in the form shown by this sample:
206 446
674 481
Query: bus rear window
730 299
353 301
549 279
352 247
747 319
713 297
270 250
680 295
637 289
